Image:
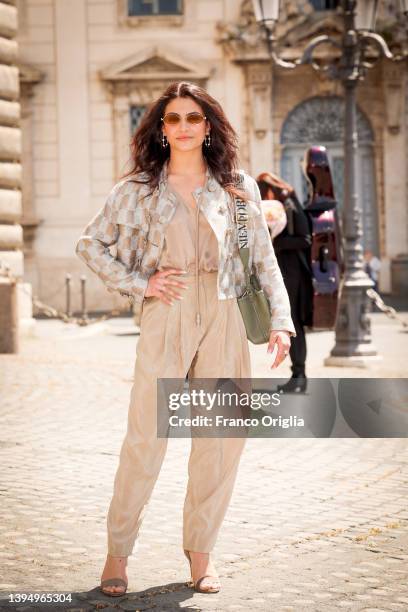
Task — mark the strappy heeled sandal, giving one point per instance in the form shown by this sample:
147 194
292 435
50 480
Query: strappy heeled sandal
197 583
115 582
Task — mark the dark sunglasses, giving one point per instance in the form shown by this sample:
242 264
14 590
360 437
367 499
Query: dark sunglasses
174 118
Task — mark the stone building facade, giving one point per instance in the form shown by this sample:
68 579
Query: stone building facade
11 235
89 68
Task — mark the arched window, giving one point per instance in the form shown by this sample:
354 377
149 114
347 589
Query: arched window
320 121
324 5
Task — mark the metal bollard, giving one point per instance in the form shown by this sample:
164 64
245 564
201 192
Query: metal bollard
84 315
68 279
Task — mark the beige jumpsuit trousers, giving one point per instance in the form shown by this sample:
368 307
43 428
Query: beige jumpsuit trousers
173 343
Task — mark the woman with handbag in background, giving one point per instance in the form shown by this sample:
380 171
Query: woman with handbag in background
292 248
173 223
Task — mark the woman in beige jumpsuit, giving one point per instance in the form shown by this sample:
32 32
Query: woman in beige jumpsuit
185 329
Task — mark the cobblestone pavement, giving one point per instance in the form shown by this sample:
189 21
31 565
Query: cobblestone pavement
314 524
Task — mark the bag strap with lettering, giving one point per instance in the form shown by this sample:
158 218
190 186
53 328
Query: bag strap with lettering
241 219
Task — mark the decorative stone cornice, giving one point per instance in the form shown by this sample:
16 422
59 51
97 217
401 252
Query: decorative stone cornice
244 40
393 28
151 66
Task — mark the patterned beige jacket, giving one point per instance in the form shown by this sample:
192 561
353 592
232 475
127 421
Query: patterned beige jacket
137 224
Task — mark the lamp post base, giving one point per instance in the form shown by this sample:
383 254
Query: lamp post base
353 361
354 347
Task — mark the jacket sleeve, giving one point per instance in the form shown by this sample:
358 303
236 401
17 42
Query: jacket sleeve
267 268
93 247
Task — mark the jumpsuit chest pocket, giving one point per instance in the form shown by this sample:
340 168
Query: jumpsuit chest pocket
156 230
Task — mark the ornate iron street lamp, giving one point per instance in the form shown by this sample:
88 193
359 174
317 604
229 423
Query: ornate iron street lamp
358 50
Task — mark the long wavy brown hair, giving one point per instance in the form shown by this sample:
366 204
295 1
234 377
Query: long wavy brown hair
281 189
148 155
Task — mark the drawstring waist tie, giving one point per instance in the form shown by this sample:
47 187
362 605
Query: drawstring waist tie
198 277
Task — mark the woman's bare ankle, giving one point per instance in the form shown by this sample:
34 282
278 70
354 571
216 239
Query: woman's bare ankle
114 566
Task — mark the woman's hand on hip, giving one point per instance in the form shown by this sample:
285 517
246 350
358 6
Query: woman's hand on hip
281 339
161 286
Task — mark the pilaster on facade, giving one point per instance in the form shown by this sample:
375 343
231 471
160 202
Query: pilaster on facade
30 76
243 45
258 76
396 192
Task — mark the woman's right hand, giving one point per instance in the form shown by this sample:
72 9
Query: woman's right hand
160 285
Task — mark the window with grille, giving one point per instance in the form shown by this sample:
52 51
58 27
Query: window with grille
137 8
324 5
136 114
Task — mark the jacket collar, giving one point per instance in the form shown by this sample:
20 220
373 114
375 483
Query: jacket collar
211 184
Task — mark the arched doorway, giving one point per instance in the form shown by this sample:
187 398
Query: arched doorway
320 121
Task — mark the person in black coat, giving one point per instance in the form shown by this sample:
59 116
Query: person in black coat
292 248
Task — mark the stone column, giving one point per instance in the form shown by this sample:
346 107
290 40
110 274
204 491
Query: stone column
73 121
259 85
29 78
394 273
11 233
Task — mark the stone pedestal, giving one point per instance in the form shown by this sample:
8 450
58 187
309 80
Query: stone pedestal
354 347
8 316
26 322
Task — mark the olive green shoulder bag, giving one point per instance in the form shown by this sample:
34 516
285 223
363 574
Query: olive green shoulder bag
253 303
